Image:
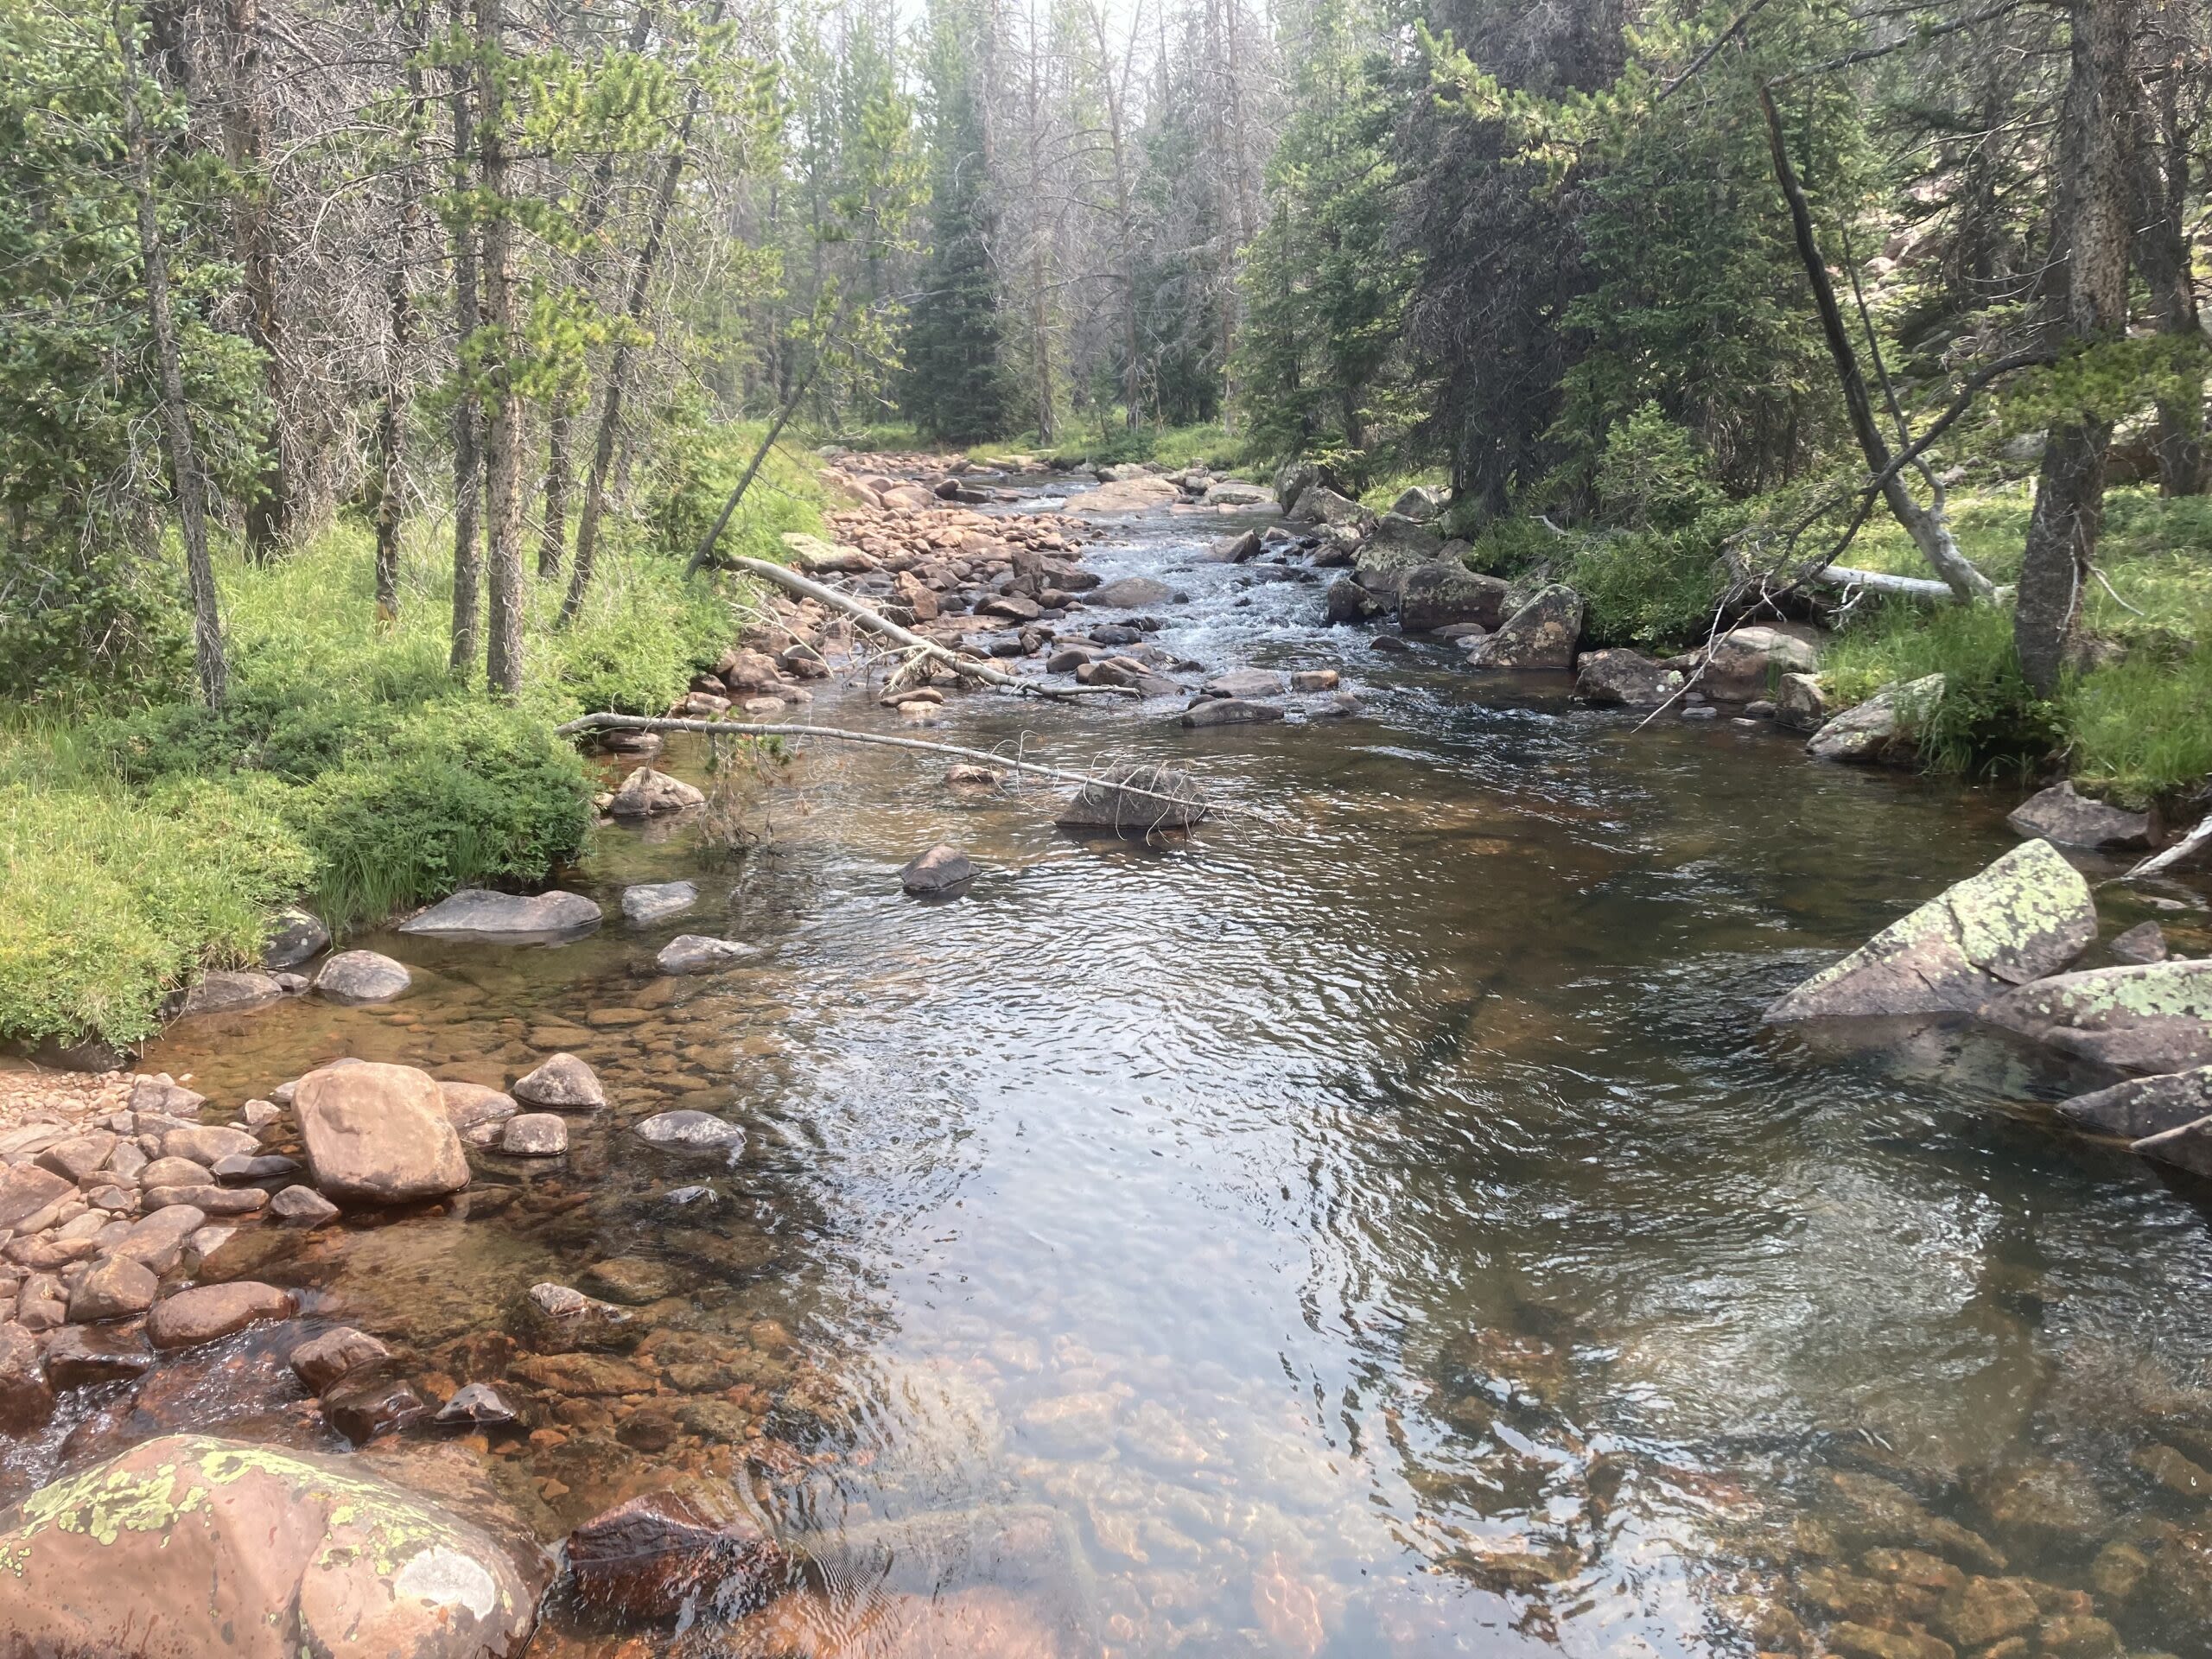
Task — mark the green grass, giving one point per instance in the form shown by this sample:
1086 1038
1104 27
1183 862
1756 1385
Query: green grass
143 838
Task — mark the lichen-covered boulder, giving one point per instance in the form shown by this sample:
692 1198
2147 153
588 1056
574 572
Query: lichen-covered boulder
2151 1019
1541 634
193 1545
2027 915
1623 678
2143 1106
1438 594
1881 730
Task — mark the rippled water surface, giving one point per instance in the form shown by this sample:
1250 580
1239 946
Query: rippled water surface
1373 1225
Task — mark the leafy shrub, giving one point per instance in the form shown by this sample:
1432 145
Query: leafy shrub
1647 588
1650 475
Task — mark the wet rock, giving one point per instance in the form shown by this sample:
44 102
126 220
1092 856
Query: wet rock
1348 602
2028 914
1879 731
476 1405
116 1290
2080 1636
1245 682
175 1172
535 1134
205 1242
2140 946
2143 1106
469 1106
368 1405
26 1399
78 1156
695 953
646 793
206 1313
207 1199
88 1355
1308 681
1983 1610
1854 1641
1623 678
301 1206
1750 662
562 1084
361 976
1134 800
476 912
294 937
230 992
1130 594
41 1304
2171 1470
157 1239
632 1280
2046 1508
654 901
2059 814
1446 593
1234 549
1866 1512
336 1354
2153 1018
26 1189
582 1376
267 1166
1541 634
1229 711
689 1131
378 1134
205 1143
255 1553
2188 1147
558 1317
941 871
655 1556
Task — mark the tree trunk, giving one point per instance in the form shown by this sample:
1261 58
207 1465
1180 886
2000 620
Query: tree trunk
209 663
2160 173
246 146
2092 229
503 436
392 419
467 409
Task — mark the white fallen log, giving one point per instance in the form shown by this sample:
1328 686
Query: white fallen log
1880 581
2160 862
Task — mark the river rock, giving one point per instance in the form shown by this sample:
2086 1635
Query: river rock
478 913
1229 711
470 1106
265 1166
695 953
1348 602
1866 1512
371 1404
2028 914
204 1143
1234 549
301 1206
294 937
1134 800
476 1405
26 1397
89 1356
2148 1020
1245 682
2188 1147
1435 595
646 793
361 976
564 1084
2141 946
2143 1106
1623 678
1879 731
1749 662
80 1155
654 901
656 1555
1799 702
230 991
118 1288
255 1553
1317 504
2059 814
26 1189
378 1134
337 1353
1307 682
1234 493
212 1200
535 1134
1541 634
157 1238
173 1172
689 1131
206 1313
1131 593
1125 495
941 871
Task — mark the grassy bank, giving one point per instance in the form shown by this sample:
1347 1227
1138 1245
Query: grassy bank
145 838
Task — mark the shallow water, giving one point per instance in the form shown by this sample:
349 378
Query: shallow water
1376 1224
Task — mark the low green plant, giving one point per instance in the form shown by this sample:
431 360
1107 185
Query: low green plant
1649 589
1988 722
2142 730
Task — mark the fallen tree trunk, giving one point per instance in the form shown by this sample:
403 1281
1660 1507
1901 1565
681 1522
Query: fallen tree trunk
1880 581
762 729
2159 862
972 668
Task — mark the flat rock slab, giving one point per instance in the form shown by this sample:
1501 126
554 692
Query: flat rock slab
2143 1106
2153 1018
653 901
206 1313
2028 914
477 912
695 953
255 1553
690 1131
362 976
1229 711
1246 683
2059 814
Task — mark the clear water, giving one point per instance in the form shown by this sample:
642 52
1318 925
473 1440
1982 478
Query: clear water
1373 1225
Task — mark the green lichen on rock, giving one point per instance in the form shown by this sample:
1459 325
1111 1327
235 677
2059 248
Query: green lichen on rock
2028 914
2153 1017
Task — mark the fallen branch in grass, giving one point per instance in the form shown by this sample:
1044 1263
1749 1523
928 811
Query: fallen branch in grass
1880 581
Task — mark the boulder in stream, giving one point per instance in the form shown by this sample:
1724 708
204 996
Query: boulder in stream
2142 944
1134 800
2151 1019
1348 601
1229 711
564 1084
646 793
1542 633
26 1397
337 1353
2028 914
378 1134
1131 593
653 901
2143 1106
1445 594
295 936
943 872
1879 731
535 1134
695 953
1245 682
362 976
255 1553
1623 679
1317 504
2059 814
690 1131
231 992
656 1555
1748 662
478 913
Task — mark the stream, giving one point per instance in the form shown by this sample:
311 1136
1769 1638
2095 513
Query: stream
1376 1224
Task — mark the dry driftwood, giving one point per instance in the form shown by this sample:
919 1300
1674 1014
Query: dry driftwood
2161 861
1880 581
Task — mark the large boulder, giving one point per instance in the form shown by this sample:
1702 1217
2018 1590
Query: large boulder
646 793
362 976
943 871
1246 683
1130 594
294 937
1383 561
2057 814
1541 634
2156 1017
1444 593
2188 1147
1319 504
1881 730
1348 601
1800 704
1134 800
1419 503
1623 678
2028 914
378 1134
478 913
1295 478
1234 493
1126 495
1746 664
2143 1106
190 1545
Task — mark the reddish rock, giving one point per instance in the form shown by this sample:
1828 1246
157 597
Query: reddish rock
207 1312
337 1353
652 1557
378 1134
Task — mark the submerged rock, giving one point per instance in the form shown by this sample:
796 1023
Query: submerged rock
2028 914
362 976
690 1131
2143 1106
1879 731
655 1556
1541 634
695 953
653 901
2152 1019
477 912
2059 814
26 1396
207 1312
941 871
1135 801
378 1134
476 1405
255 1553
1229 711
336 1354
563 1083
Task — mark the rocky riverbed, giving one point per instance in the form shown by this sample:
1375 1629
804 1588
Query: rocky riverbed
1376 1222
